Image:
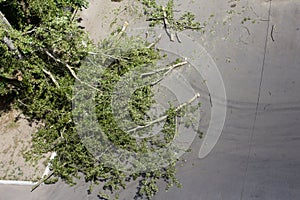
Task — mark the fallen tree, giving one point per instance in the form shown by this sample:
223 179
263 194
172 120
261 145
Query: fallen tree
41 55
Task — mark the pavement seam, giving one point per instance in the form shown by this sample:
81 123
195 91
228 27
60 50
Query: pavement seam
258 99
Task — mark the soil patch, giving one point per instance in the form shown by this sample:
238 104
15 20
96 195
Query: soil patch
15 139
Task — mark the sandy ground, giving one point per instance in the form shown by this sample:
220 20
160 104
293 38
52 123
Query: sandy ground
15 140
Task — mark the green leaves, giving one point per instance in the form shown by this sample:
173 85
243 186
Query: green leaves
23 13
49 40
159 15
140 104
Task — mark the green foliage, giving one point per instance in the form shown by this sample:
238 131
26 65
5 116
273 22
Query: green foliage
41 99
35 12
33 91
120 56
138 110
41 84
156 16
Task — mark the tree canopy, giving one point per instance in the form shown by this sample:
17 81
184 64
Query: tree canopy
42 50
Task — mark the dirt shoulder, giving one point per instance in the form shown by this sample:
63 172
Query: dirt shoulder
16 134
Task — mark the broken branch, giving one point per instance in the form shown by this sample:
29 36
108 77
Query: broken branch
167 72
170 68
165 116
51 77
122 30
70 70
155 42
166 25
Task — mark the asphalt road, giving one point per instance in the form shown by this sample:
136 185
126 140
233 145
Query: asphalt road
257 155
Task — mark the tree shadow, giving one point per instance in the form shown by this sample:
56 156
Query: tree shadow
5 103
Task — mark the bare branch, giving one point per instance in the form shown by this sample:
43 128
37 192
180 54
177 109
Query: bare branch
4 20
165 116
70 70
51 77
164 69
167 72
41 181
272 30
166 25
74 14
155 42
122 30
6 40
30 31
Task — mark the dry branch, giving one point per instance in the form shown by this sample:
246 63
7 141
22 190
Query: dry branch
41 181
122 30
155 42
6 40
70 70
167 72
170 68
51 77
166 25
165 116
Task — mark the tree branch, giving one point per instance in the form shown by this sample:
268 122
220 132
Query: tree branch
122 30
5 21
163 69
6 40
41 181
155 42
167 72
165 116
70 70
166 24
51 77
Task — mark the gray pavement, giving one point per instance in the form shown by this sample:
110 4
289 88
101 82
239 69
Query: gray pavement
257 156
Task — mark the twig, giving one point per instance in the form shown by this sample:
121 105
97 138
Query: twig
92 53
100 156
163 69
176 125
177 36
117 15
165 116
4 20
155 42
30 31
6 40
70 70
41 181
74 14
122 30
51 77
194 28
210 100
166 24
167 72
188 102
247 29
272 30
113 57
22 103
